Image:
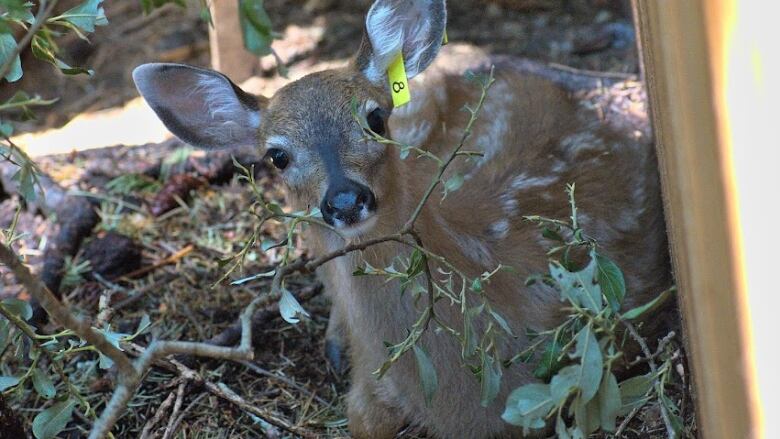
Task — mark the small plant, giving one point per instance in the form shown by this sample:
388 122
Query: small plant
50 364
75 271
577 359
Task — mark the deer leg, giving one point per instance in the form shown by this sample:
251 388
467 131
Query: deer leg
336 340
368 416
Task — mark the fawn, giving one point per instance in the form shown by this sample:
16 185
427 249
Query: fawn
534 137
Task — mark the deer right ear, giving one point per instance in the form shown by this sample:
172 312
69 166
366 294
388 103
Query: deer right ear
201 107
414 28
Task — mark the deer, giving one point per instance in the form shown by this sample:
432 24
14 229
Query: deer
533 136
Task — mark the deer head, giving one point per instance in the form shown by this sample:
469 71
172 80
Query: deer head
307 129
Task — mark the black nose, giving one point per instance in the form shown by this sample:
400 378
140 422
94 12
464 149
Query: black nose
347 202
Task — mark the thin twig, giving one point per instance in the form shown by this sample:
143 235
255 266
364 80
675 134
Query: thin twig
159 413
175 418
659 350
266 373
654 369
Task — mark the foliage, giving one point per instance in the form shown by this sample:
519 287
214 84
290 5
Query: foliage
579 356
49 363
60 367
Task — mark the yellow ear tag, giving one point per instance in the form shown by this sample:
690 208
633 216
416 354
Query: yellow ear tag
446 39
399 83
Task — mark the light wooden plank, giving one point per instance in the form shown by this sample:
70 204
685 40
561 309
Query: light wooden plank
227 46
683 44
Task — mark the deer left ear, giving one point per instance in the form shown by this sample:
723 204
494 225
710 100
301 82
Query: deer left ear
412 27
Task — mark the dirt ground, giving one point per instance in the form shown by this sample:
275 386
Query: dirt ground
181 294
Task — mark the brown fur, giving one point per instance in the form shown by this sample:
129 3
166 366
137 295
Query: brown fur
541 138
540 129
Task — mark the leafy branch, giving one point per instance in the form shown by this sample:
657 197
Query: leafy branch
578 356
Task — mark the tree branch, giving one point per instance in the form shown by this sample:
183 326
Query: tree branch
62 315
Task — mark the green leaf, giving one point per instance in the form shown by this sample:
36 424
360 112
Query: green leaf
19 308
7 48
552 235
5 333
578 287
453 183
551 361
633 392
26 179
476 285
6 129
672 410
587 279
416 264
563 383
469 333
17 10
86 15
144 323
649 306
114 338
528 406
609 402
611 280
491 379
43 384
501 322
290 308
586 415
6 382
561 431
591 367
50 422
427 373
255 27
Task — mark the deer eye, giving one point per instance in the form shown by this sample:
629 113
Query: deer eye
376 121
278 158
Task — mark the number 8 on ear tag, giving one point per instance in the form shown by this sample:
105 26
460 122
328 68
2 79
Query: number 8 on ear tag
399 83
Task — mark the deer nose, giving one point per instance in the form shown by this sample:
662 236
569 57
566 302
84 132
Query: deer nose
347 203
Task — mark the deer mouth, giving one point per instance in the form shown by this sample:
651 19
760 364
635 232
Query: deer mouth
363 223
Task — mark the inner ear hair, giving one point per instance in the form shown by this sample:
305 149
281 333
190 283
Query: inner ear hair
412 27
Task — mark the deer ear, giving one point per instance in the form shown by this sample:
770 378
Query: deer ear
201 107
412 27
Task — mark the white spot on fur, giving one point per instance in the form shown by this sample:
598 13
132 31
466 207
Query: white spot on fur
277 142
580 142
509 203
497 110
559 166
413 133
523 182
499 229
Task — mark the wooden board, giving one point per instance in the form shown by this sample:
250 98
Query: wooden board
683 47
227 46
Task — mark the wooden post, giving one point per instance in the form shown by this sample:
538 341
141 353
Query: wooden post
683 46
227 46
